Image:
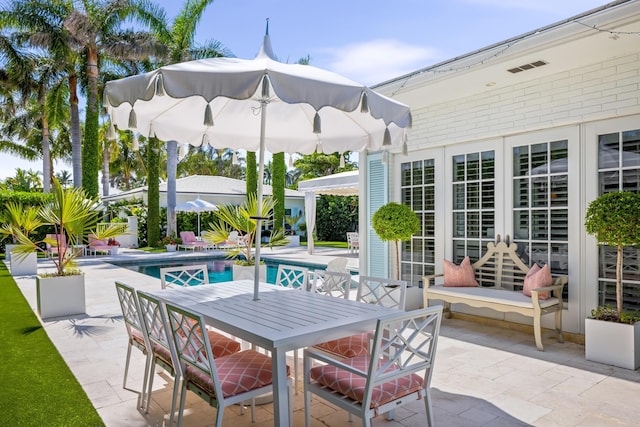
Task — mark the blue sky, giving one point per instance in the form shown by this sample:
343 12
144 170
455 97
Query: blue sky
367 41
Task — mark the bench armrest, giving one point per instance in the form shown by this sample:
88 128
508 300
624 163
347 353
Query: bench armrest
556 290
426 280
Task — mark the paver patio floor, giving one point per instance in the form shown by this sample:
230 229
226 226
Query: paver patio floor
484 376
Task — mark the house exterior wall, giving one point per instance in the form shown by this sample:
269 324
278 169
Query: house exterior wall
576 105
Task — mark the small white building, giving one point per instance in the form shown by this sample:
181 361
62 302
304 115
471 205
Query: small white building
218 190
516 139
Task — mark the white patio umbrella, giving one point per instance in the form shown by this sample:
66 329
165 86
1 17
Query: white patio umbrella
256 105
198 206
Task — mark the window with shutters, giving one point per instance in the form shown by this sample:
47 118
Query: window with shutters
619 170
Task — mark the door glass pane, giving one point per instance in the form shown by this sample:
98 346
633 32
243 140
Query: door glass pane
521 224
631 148
609 151
418 192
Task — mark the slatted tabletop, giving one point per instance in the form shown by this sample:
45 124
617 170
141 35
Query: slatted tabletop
281 320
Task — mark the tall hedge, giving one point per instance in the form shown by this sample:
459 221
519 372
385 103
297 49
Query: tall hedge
251 173
153 194
335 215
90 157
278 183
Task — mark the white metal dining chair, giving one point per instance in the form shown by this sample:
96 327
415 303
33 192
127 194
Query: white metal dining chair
135 331
389 293
222 381
163 352
185 275
291 276
396 372
332 283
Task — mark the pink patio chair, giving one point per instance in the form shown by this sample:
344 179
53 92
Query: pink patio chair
189 241
53 249
397 372
222 381
98 245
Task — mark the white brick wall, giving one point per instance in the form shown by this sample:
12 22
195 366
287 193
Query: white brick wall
600 91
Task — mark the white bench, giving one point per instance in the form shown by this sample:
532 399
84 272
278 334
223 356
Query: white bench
500 274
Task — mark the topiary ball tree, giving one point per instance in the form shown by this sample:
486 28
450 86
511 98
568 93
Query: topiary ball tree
395 222
614 220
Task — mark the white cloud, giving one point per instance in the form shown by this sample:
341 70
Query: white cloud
375 61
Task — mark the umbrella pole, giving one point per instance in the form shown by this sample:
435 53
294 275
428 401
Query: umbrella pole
258 236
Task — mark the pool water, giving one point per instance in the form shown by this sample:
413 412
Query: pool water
220 269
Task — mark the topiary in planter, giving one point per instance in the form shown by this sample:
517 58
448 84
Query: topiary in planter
614 220
395 222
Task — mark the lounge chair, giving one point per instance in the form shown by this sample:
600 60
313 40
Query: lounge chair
53 249
352 242
189 241
99 245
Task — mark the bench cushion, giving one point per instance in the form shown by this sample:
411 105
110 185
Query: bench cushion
459 275
499 296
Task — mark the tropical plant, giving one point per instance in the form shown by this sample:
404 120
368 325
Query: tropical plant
292 221
395 222
171 239
240 218
614 220
16 218
73 215
278 172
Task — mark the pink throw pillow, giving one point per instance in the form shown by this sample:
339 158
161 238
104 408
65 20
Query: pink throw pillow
459 276
537 277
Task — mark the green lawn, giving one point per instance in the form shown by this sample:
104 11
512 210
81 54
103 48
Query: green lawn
37 387
339 245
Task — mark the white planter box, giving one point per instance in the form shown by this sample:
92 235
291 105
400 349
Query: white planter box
293 240
241 272
170 248
24 265
7 251
60 296
612 343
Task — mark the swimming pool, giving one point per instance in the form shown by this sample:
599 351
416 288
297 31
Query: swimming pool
219 268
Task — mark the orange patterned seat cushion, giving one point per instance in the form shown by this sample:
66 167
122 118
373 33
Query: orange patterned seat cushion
352 346
238 373
222 345
353 386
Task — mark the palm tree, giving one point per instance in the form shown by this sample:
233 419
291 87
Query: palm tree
96 28
179 38
39 24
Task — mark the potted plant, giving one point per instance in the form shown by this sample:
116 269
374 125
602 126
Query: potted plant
73 216
612 336
24 219
231 217
292 221
170 242
395 222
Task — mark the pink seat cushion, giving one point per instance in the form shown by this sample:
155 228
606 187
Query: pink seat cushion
238 373
459 275
537 277
222 345
352 346
353 386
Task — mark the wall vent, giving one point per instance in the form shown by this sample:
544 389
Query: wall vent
528 66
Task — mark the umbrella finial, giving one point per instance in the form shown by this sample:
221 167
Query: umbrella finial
266 51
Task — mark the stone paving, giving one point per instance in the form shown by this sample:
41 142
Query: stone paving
484 376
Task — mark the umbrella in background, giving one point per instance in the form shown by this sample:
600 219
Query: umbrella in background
198 206
256 105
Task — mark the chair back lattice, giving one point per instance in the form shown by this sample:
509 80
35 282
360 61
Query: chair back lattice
186 275
332 283
130 308
294 277
404 344
155 322
191 342
384 292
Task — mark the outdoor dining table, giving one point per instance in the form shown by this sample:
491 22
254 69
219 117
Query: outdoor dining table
281 320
